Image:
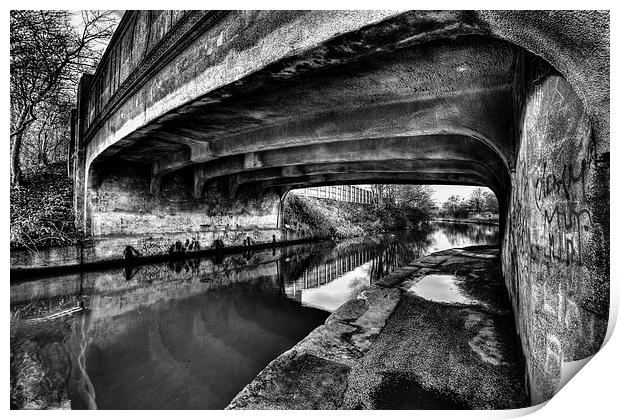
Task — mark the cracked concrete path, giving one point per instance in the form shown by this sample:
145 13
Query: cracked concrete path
437 333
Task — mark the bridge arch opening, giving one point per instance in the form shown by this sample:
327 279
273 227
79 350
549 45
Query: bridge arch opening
340 210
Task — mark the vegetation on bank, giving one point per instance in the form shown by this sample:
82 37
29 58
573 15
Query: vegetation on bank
50 49
42 209
479 201
313 217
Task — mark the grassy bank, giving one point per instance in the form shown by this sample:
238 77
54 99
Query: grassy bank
42 210
309 216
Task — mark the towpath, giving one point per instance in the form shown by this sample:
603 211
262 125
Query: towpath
436 334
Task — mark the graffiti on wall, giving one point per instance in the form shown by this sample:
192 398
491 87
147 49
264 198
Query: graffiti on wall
567 220
123 204
550 215
551 225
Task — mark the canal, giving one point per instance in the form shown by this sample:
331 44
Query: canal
191 334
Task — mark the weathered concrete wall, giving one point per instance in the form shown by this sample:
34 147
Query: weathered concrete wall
556 251
124 213
46 257
111 248
120 204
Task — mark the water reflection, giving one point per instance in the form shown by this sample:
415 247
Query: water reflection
191 334
193 353
448 235
346 269
440 288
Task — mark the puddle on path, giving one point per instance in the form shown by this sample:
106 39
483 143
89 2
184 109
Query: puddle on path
440 288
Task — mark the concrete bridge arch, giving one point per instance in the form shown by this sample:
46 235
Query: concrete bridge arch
196 122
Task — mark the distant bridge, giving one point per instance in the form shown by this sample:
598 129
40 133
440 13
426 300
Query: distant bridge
346 193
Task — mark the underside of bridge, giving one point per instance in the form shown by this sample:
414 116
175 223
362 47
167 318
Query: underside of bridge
440 113
200 138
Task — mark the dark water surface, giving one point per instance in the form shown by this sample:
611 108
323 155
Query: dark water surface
192 334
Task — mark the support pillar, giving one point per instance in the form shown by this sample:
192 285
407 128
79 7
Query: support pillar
80 172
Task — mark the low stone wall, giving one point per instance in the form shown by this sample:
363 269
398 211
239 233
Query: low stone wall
111 249
56 256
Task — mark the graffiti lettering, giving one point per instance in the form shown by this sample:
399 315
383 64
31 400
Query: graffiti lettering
550 185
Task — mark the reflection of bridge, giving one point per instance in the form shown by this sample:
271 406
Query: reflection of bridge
112 292
327 271
385 254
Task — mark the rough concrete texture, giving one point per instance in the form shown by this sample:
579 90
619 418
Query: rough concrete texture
556 252
434 354
124 212
575 42
112 248
428 355
296 382
313 45
45 257
197 93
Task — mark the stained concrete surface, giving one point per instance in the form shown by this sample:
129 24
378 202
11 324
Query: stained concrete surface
391 349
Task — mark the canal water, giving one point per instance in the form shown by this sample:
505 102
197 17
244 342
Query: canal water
191 334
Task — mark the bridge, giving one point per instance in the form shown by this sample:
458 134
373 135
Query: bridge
196 124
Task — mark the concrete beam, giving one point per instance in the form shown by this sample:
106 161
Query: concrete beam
192 152
349 59
427 150
402 94
459 178
465 115
388 168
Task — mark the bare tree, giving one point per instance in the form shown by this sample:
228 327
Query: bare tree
377 193
49 49
476 200
453 205
490 202
417 196
383 193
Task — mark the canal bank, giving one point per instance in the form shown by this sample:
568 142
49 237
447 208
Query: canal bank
304 219
493 222
438 333
115 252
